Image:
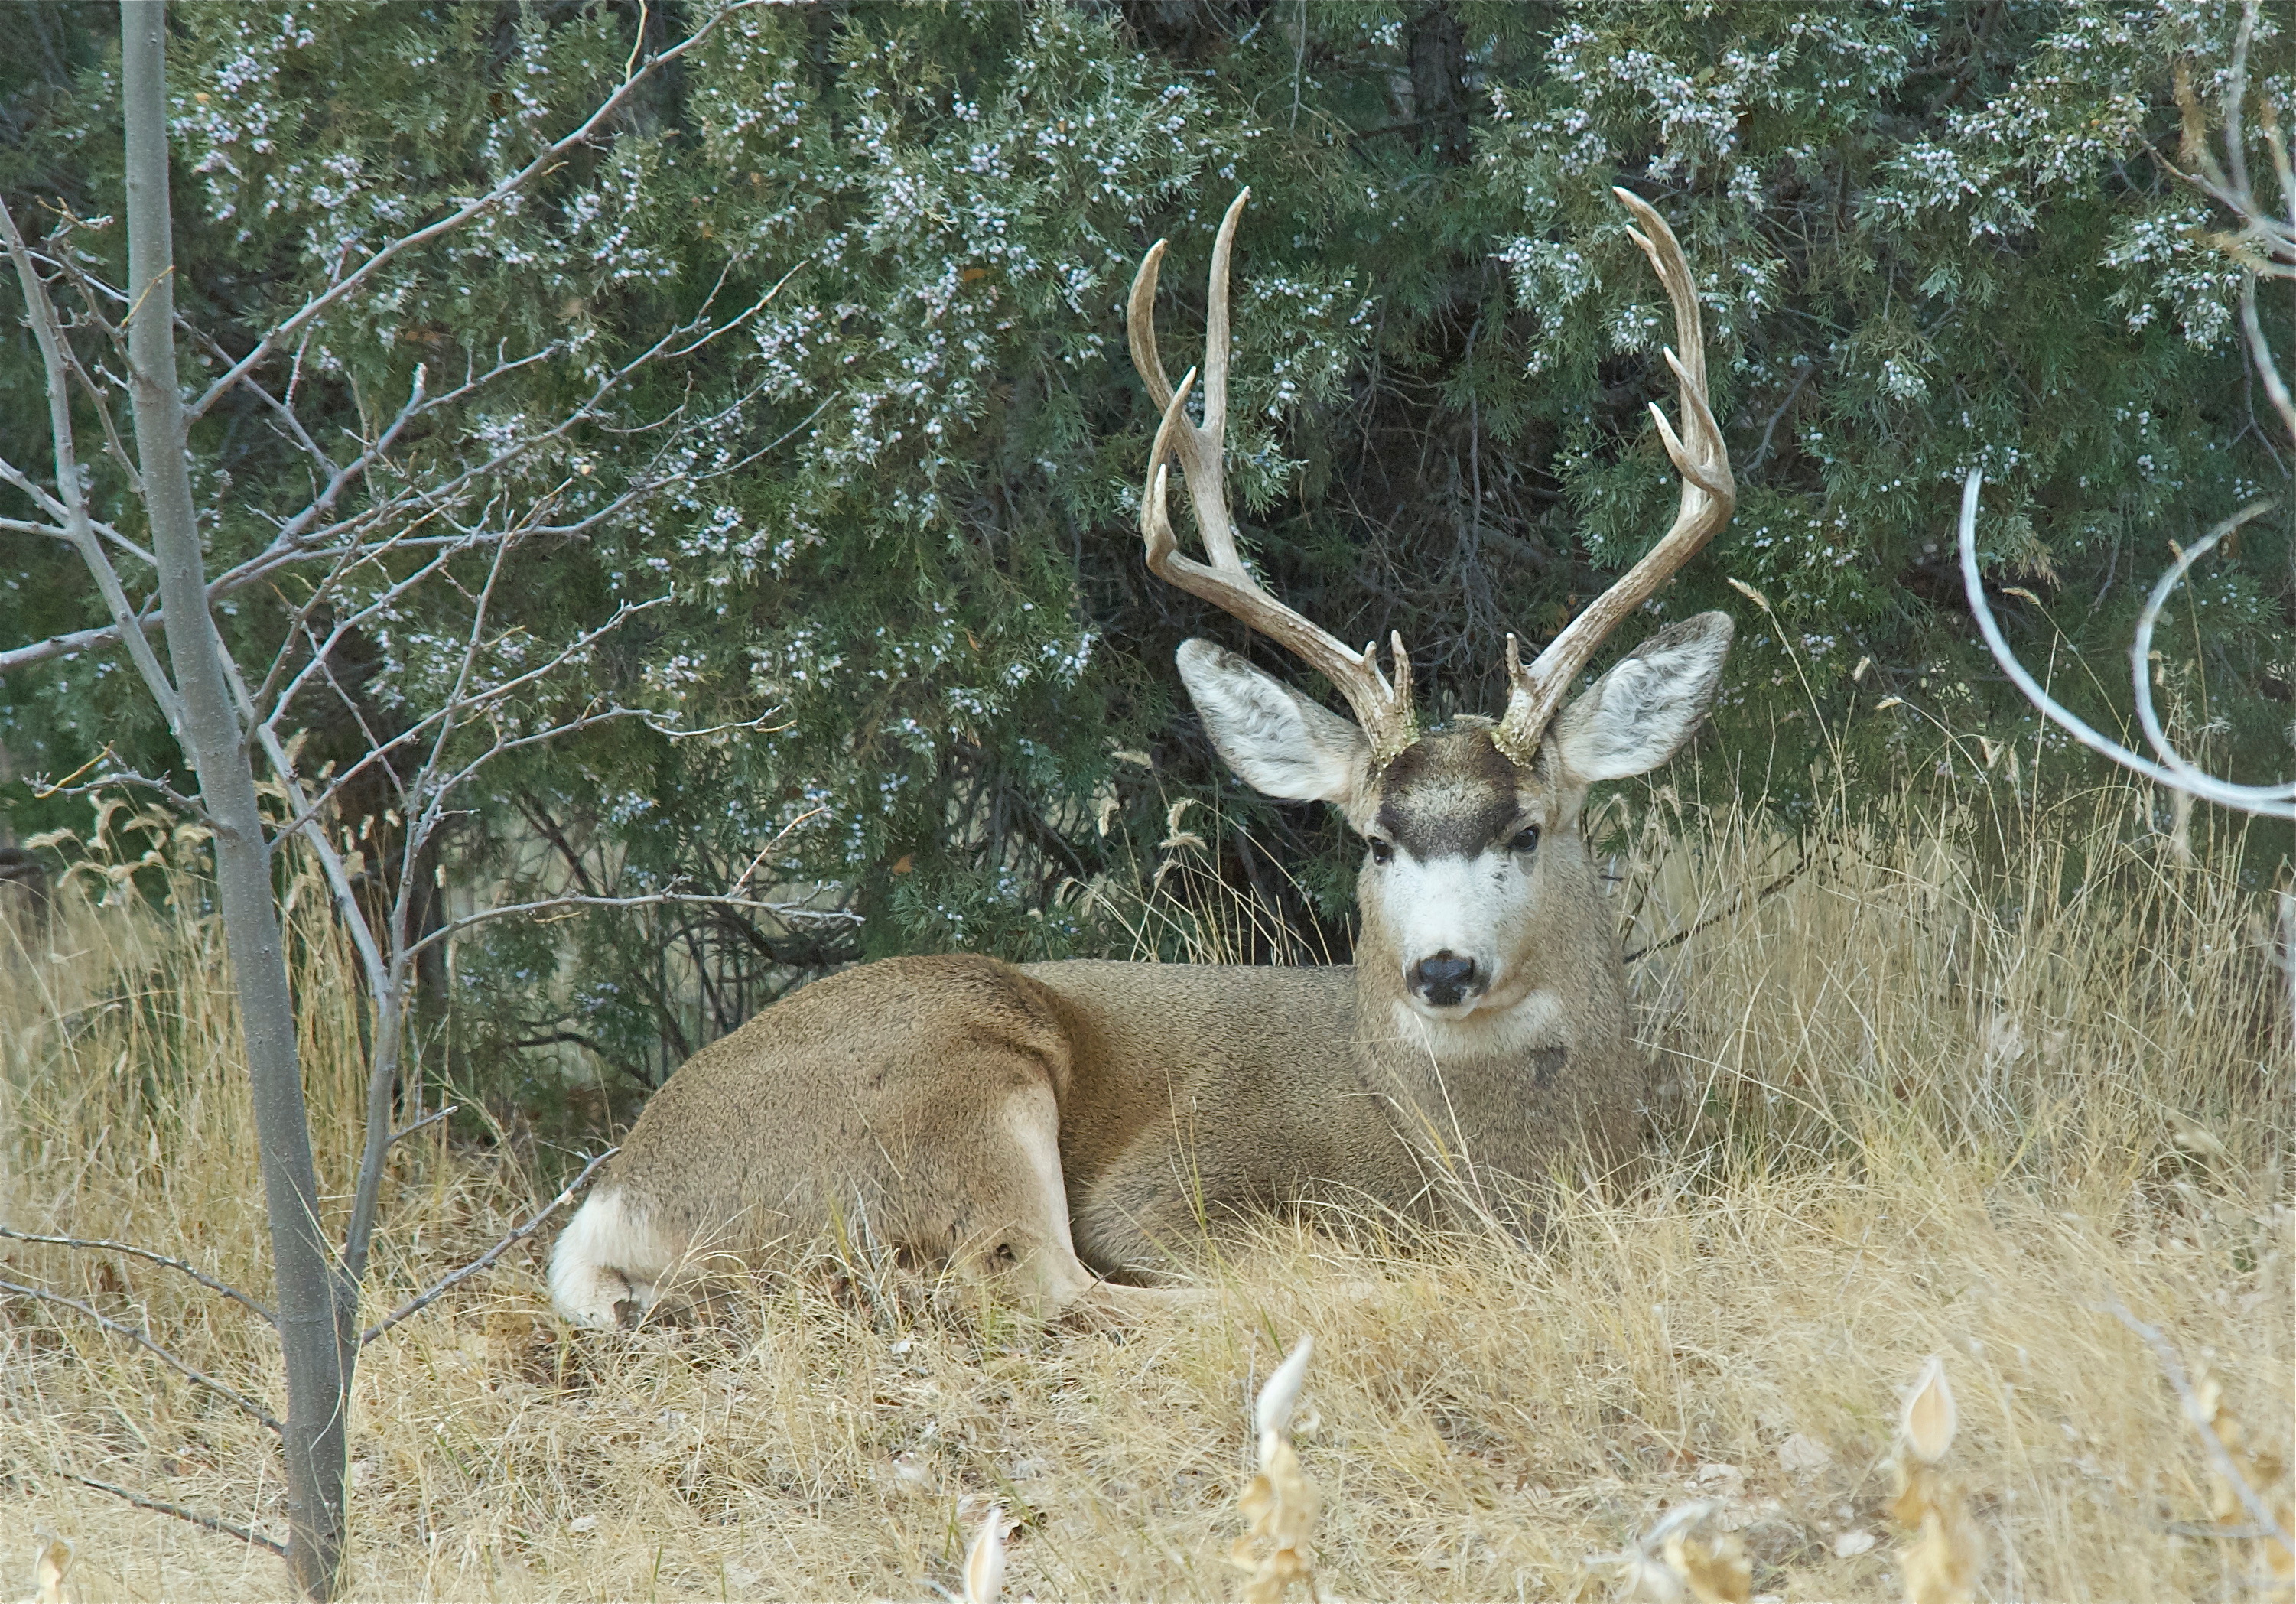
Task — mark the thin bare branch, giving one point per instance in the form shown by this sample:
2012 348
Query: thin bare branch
277 698
438 1289
299 525
93 290
446 717
142 1339
16 476
162 1507
606 715
330 861
1741 902
152 617
104 1244
794 911
301 539
764 852
427 1121
287 416
47 331
71 786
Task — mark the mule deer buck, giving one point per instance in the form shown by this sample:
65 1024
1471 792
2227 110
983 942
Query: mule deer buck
1068 1127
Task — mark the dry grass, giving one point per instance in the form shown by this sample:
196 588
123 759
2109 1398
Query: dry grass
1909 1109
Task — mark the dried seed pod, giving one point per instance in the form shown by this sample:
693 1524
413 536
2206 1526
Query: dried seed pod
1280 1503
1715 1568
1942 1562
984 1562
1928 1421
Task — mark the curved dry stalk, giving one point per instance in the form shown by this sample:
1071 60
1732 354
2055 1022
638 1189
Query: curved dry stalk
2277 801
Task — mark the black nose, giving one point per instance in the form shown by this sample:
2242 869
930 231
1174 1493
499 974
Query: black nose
1445 980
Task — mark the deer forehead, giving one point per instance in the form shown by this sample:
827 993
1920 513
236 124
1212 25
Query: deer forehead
1453 794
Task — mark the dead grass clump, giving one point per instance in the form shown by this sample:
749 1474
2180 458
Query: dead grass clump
1910 1105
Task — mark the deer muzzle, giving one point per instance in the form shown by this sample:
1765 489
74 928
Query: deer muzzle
1446 980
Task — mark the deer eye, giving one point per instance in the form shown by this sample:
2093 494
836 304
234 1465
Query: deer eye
1526 840
1382 852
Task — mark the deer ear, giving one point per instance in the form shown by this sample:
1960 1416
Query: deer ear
1278 742
1639 714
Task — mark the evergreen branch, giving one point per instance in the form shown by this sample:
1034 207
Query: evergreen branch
546 161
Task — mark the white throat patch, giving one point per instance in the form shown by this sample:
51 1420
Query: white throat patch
1538 1021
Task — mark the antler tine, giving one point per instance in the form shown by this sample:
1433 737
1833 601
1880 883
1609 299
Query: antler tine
1140 326
1155 505
1216 325
1382 710
1708 495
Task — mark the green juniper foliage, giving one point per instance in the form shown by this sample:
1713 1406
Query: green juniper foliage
897 504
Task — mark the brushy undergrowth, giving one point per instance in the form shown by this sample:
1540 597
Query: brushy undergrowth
1955 1090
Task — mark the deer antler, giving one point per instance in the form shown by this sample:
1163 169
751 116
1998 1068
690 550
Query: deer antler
1708 494
1382 710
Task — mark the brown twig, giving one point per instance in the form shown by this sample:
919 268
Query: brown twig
162 1507
143 1340
1738 905
203 1279
414 1306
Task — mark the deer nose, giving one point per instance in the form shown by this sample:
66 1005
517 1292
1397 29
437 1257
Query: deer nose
1445 980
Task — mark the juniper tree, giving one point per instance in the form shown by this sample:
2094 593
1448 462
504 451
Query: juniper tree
1935 236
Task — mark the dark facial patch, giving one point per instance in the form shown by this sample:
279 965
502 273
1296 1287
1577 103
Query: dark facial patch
1447 795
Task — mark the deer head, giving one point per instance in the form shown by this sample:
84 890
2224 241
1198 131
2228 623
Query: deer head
1477 887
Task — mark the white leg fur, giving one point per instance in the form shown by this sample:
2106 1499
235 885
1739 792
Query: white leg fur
607 1257
1063 1281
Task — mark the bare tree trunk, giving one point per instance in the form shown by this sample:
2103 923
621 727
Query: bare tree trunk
317 1310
